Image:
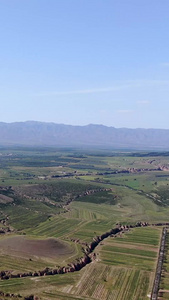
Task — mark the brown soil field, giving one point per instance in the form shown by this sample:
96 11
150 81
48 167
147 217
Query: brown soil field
21 245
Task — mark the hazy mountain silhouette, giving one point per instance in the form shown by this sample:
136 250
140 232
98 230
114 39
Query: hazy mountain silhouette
50 134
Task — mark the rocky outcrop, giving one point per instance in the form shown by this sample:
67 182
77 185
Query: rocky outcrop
91 192
10 295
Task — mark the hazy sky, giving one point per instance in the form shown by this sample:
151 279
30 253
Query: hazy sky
85 61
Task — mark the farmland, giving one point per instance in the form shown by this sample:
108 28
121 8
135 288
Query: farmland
53 199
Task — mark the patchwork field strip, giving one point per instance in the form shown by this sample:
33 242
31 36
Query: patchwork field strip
128 274
123 269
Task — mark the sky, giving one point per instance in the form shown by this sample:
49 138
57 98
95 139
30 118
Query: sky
79 62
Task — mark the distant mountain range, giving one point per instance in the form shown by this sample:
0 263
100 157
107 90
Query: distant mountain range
32 133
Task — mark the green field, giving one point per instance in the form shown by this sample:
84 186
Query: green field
74 196
122 270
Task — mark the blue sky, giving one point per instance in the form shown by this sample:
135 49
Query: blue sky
85 61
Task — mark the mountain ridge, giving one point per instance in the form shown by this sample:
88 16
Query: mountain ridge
35 133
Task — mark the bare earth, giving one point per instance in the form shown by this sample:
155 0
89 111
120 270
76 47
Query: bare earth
42 248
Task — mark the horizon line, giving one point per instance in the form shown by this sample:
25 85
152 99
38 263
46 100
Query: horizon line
90 124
